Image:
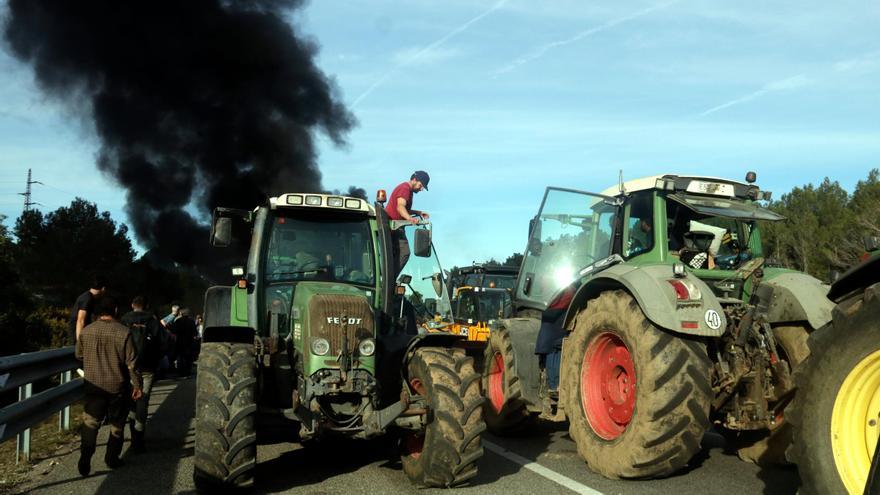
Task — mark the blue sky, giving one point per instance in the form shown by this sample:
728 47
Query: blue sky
497 99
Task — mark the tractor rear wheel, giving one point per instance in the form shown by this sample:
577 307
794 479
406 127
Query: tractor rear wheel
505 410
637 397
836 413
225 439
446 452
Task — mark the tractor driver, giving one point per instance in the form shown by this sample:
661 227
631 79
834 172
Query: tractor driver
399 207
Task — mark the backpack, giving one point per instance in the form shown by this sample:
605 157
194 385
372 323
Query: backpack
147 340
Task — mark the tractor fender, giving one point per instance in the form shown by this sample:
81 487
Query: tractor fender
523 333
427 340
218 302
242 335
656 297
799 297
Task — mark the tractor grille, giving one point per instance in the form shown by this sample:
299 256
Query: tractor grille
325 320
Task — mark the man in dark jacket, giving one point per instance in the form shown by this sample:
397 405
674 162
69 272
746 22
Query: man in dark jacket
184 331
111 382
150 341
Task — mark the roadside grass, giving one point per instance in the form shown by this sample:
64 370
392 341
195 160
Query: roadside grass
46 442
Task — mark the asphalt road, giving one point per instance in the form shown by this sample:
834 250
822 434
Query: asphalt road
544 462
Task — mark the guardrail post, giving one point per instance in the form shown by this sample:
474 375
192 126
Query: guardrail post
23 441
64 415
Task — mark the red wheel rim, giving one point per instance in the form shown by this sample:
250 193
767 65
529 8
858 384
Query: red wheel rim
496 382
608 385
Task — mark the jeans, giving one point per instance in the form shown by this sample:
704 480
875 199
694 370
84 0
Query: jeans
139 412
400 249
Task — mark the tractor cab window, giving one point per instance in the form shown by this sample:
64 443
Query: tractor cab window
572 231
317 246
639 228
706 240
426 292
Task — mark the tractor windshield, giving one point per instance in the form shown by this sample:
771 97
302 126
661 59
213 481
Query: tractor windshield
573 230
314 245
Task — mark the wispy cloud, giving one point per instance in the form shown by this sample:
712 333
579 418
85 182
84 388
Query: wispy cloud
787 84
868 61
407 56
542 50
419 54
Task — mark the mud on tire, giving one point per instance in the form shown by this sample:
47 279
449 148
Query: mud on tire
446 453
669 413
225 439
504 409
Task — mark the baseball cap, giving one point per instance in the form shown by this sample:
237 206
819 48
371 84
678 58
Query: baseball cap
422 176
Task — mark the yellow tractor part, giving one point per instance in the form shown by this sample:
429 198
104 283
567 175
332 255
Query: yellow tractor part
855 422
476 332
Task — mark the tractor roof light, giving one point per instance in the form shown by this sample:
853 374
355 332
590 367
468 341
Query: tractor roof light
334 201
237 271
313 200
665 184
294 199
381 197
353 204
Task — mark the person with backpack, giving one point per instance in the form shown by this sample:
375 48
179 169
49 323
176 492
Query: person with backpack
150 344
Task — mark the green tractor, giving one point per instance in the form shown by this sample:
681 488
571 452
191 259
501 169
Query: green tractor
836 414
320 330
645 316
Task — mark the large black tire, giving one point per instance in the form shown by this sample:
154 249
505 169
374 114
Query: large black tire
767 448
668 410
225 442
845 352
505 410
445 454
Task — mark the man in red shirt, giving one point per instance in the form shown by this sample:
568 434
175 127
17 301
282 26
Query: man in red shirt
399 207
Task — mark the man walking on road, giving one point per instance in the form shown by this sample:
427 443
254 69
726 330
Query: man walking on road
149 344
81 314
111 381
399 207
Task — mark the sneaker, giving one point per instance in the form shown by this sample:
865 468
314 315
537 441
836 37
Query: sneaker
114 463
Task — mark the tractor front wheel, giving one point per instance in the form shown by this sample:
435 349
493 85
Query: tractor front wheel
225 439
836 413
505 410
446 451
637 397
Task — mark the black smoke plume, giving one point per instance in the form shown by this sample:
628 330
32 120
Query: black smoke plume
197 103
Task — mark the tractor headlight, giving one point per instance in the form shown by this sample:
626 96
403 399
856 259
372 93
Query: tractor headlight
367 347
320 347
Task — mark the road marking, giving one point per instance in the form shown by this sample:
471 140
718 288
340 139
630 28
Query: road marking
539 469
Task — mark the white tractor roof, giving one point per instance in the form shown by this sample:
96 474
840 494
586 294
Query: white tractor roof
650 182
323 201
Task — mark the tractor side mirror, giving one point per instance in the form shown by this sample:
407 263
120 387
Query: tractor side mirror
221 232
872 243
437 282
422 247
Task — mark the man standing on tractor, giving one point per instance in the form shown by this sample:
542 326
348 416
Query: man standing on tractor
399 207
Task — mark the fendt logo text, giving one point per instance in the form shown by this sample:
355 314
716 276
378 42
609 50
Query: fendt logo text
336 320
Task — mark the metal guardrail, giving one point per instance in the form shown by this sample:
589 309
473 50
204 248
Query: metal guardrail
22 371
